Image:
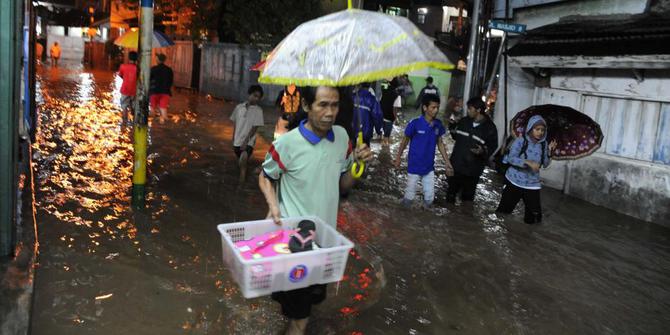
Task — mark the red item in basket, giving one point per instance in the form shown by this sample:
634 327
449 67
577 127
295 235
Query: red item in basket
265 245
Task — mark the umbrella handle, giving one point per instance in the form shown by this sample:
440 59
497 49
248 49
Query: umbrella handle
358 167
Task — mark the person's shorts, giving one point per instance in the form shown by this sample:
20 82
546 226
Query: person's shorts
388 127
238 151
127 101
161 100
297 304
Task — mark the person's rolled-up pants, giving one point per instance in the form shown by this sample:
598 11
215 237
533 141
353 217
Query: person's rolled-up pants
427 182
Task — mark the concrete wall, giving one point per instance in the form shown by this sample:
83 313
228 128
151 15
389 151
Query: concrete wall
635 188
630 173
71 47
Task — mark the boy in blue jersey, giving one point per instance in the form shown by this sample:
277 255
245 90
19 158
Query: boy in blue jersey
423 134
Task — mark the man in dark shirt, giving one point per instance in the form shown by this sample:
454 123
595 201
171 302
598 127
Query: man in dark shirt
160 87
476 139
428 89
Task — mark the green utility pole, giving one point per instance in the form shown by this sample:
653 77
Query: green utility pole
142 104
10 67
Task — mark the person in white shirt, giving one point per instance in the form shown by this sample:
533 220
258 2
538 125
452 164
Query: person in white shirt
247 117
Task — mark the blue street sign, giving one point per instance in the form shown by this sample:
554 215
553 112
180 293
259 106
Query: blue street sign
508 27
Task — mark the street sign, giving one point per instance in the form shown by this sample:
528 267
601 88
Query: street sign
508 27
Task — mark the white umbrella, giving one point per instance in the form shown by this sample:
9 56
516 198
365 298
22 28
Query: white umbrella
351 47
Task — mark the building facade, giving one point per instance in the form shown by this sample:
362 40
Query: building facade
611 62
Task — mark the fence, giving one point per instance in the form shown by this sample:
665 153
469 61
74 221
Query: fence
96 55
224 72
180 59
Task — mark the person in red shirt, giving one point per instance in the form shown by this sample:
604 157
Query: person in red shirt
128 72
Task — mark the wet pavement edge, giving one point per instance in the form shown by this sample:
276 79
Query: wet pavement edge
17 271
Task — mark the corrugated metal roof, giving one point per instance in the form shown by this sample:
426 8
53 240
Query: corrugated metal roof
611 36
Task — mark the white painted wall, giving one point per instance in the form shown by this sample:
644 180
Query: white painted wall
520 96
499 6
654 86
75 32
632 128
56 30
537 16
629 112
631 171
71 47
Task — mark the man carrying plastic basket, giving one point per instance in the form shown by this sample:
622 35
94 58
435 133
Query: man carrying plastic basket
312 165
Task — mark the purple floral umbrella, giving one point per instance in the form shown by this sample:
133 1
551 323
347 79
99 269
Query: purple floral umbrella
576 133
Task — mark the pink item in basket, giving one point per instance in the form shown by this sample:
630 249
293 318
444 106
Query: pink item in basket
265 245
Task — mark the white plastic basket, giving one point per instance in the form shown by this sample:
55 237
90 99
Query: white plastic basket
258 277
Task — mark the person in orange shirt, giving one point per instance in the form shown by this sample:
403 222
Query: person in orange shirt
55 54
39 50
288 103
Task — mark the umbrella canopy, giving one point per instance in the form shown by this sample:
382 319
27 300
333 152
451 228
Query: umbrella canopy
576 134
351 47
131 38
258 66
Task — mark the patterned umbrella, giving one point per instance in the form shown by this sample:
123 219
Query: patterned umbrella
131 38
576 133
351 47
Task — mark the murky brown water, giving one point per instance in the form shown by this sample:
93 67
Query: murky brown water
105 269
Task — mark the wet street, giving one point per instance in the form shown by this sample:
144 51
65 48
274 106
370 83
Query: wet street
106 269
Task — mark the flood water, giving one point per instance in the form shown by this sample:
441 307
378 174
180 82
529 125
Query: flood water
106 269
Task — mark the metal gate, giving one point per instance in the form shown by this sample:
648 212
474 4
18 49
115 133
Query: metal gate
180 59
224 72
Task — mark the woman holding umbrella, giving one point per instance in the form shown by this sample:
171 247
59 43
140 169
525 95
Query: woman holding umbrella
526 156
570 134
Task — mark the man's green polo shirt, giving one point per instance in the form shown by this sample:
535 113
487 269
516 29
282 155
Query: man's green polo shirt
308 170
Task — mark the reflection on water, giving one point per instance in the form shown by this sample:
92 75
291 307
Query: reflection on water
84 162
462 269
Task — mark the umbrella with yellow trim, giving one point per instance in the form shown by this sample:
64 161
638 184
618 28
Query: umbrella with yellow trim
351 47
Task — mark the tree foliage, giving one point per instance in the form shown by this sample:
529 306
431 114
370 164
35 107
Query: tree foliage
253 22
266 22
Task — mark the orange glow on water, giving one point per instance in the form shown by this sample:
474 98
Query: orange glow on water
84 161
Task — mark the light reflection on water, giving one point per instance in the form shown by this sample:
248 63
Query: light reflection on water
459 269
85 161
